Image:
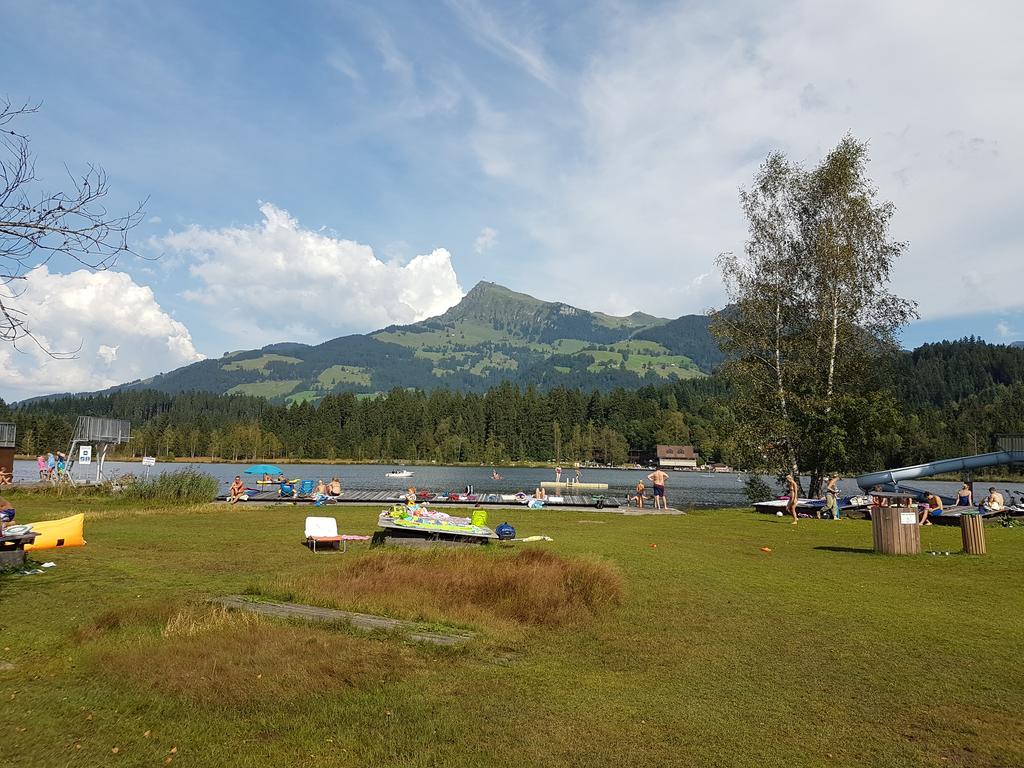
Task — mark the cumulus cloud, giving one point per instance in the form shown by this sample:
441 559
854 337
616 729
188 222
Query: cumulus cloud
487 239
114 325
279 282
680 104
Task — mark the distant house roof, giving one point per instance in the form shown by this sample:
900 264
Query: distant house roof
676 452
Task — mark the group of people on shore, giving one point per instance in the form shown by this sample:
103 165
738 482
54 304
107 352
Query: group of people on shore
831 508
658 479
994 501
51 466
285 488
934 505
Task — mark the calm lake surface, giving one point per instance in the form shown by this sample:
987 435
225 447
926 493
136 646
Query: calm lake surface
684 488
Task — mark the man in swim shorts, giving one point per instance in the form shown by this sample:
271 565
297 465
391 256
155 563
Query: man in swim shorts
658 479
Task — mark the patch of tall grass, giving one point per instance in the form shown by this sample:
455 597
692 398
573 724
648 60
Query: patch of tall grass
185 486
531 587
211 657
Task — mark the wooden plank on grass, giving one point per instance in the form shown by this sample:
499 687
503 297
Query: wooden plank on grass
366 621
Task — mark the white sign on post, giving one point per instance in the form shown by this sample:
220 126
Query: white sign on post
149 461
85 454
908 518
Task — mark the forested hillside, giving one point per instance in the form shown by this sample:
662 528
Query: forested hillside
492 336
952 397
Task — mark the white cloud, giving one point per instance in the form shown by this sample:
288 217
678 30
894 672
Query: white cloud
279 282
107 353
342 63
680 105
115 326
1004 330
487 239
154 220
511 41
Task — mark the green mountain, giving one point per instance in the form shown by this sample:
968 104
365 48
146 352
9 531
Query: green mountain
492 335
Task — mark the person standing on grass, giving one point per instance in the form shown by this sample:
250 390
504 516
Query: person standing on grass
832 496
658 479
51 466
41 466
794 493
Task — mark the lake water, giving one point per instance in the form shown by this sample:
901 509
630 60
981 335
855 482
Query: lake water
684 488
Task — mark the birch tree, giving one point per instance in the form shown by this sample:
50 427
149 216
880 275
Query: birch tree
812 321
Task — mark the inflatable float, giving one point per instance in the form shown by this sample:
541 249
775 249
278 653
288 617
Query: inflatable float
54 534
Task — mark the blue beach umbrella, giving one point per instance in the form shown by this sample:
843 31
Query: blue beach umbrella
263 469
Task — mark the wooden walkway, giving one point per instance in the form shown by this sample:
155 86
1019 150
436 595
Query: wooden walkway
364 496
365 621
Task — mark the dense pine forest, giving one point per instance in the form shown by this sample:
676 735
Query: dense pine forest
950 399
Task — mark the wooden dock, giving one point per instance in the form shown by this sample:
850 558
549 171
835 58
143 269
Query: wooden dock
389 497
551 485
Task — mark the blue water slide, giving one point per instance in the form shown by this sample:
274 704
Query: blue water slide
962 464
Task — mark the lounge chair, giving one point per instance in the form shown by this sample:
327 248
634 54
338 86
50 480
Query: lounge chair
306 487
322 530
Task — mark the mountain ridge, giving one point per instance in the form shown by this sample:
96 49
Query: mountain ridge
492 335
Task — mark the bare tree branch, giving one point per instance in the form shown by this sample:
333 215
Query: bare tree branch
38 226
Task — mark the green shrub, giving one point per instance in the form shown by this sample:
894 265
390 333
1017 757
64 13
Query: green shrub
757 489
187 485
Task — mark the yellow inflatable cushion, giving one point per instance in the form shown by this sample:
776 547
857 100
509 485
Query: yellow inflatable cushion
66 532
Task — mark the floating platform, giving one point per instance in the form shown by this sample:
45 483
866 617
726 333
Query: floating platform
580 486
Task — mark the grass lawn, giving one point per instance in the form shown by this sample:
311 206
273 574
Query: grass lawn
713 653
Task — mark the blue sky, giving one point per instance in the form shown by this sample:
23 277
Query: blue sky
317 168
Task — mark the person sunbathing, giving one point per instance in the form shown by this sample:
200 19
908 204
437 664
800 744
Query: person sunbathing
994 501
932 506
320 489
5 478
334 487
410 497
237 490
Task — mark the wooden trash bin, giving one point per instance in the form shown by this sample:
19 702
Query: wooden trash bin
972 531
894 528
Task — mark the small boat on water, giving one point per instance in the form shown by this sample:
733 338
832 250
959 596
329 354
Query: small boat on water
399 473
